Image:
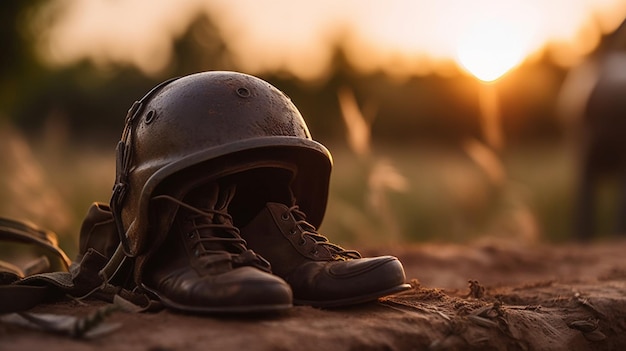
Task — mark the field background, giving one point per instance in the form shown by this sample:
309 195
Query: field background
398 194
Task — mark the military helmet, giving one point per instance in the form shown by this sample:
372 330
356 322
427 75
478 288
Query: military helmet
209 125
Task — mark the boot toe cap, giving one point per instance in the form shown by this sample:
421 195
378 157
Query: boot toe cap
336 283
245 289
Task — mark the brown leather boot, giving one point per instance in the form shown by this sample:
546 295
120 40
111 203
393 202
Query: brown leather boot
204 265
320 273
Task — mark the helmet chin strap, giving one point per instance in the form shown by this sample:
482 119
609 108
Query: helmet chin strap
122 165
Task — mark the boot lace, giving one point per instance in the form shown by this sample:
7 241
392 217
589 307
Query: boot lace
309 231
228 246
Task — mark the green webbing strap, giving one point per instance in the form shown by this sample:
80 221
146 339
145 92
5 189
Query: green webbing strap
20 291
15 295
17 231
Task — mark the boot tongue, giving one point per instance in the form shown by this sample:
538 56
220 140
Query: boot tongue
224 198
213 200
212 197
205 197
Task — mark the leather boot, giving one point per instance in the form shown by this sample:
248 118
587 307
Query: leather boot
320 273
204 265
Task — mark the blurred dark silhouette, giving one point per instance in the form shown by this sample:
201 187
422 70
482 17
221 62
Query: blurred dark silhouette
596 96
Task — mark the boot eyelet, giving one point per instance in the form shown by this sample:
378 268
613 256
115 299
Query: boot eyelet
285 216
293 231
190 235
315 253
197 253
302 242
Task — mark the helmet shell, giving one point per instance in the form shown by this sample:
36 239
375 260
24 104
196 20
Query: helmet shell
207 125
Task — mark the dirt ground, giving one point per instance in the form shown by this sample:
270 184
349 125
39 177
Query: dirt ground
485 296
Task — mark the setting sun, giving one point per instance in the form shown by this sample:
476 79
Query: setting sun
492 47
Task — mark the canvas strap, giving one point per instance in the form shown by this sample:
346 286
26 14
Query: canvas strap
22 289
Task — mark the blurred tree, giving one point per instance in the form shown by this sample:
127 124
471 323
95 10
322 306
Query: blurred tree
18 63
200 48
85 101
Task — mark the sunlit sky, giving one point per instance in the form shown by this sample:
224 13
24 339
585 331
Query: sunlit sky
401 37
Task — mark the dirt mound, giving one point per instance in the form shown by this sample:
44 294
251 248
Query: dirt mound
477 297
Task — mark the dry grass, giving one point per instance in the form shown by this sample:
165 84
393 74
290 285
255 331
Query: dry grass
52 183
450 197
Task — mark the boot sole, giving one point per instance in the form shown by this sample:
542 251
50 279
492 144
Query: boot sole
219 309
353 300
